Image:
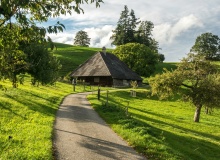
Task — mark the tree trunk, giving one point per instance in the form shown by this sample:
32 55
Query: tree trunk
197 113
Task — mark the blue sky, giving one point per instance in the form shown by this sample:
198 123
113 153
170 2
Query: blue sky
177 23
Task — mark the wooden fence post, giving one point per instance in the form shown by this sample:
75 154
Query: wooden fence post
107 99
98 93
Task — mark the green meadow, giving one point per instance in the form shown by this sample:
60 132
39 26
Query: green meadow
157 129
160 129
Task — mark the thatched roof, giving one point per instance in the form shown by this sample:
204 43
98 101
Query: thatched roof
105 64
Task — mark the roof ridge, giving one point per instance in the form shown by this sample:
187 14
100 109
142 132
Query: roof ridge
105 61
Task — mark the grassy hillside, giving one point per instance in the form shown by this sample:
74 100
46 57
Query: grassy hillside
72 56
161 130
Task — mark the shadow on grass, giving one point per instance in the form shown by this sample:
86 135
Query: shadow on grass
3 106
33 104
177 146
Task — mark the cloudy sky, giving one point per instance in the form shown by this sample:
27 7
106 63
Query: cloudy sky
177 23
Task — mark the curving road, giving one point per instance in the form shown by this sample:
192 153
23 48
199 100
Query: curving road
80 134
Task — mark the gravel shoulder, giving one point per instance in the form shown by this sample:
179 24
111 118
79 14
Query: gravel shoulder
80 134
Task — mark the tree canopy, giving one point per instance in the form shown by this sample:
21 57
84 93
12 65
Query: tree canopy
138 57
29 11
196 79
82 39
23 44
130 29
207 45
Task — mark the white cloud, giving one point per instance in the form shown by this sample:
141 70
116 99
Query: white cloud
166 32
177 22
184 24
100 36
63 37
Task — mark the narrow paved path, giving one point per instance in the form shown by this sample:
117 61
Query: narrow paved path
80 134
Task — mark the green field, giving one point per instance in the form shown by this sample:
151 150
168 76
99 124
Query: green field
27 115
161 129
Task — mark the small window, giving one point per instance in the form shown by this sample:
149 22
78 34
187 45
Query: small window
96 79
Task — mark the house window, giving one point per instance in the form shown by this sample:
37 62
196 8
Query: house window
96 79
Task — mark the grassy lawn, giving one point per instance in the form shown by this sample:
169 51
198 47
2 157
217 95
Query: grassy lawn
27 115
161 129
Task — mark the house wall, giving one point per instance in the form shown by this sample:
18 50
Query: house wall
101 81
107 81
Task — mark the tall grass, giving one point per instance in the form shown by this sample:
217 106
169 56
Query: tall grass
161 129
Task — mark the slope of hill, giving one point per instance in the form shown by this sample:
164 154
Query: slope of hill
72 56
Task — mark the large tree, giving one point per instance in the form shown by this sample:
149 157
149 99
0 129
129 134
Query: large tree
82 39
125 29
138 57
196 79
17 37
208 45
130 29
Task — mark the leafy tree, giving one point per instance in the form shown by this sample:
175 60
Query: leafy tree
161 57
82 39
17 37
144 34
125 30
199 77
43 66
29 11
130 29
12 58
207 45
138 57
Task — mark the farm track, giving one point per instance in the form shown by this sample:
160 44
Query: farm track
80 134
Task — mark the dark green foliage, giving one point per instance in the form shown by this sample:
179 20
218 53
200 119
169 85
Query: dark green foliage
82 39
16 39
130 29
43 66
12 58
25 51
138 57
207 45
161 57
125 30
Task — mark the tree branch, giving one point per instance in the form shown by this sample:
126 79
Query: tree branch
187 86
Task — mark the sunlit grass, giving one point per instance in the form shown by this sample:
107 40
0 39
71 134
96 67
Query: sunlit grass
27 115
161 129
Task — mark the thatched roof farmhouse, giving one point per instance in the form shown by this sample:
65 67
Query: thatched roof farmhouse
105 69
